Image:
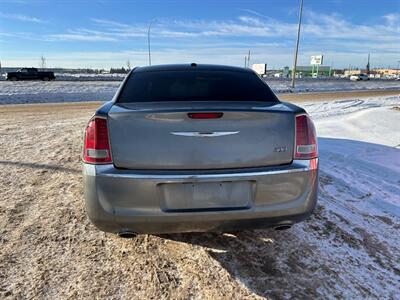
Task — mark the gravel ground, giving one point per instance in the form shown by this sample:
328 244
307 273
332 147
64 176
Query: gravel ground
50 250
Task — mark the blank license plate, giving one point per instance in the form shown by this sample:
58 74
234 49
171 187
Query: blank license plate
206 195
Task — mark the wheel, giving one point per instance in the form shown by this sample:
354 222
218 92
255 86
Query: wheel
46 79
13 78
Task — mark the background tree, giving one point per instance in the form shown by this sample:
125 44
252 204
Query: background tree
42 62
128 64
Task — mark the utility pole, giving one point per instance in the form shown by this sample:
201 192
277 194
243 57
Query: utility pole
367 67
248 60
297 46
148 39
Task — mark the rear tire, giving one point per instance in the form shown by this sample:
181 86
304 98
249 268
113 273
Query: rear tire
14 78
45 78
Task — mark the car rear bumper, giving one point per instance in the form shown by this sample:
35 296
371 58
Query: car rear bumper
126 200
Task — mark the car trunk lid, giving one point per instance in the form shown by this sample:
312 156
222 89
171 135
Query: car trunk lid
169 136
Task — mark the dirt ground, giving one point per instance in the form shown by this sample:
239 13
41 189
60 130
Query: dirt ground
50 250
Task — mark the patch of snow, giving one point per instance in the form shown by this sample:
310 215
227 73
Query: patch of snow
371 120
332 109
89 77
357 221
330 85
56 91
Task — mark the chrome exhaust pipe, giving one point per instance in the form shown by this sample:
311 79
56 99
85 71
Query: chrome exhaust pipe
126 234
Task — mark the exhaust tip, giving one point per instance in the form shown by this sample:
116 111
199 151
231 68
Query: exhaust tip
127 234
283 227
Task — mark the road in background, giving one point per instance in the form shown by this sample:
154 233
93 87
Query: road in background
78 91
295 98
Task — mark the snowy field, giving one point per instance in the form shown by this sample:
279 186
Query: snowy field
329 85
75 91
359 194
89 77
349 248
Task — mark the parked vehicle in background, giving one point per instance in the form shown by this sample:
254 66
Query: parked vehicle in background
198 148
30 74
359 77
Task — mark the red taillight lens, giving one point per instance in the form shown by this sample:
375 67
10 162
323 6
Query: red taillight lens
306 139
206 115
97 145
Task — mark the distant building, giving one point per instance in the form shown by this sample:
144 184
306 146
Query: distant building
285 72
307 70
348 73
386 72
260 69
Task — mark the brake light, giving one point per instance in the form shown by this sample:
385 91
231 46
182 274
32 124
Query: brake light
205 115
96 147
306 146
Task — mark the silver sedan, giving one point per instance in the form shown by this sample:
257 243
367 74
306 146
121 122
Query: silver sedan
185 148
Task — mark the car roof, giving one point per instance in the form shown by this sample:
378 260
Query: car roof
190 67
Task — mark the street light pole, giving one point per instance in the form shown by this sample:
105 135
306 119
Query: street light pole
297 46
148 39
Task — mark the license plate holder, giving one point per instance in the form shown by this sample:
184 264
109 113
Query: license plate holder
206 195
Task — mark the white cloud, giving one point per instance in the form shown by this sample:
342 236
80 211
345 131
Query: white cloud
212 41
23 18
81 35
109 23
317 26
393 20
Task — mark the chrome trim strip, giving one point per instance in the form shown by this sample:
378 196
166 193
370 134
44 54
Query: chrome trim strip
203 134
107 171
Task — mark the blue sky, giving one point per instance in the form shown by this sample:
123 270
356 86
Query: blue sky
103 34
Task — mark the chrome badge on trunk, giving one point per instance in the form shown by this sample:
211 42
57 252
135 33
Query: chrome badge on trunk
280 149
204 134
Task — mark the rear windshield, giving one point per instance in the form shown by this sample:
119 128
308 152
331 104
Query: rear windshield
195 86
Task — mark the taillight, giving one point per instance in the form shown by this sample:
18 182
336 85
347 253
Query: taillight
97 145
205 115
306 146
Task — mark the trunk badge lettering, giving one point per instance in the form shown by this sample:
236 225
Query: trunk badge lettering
203 134
280 149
